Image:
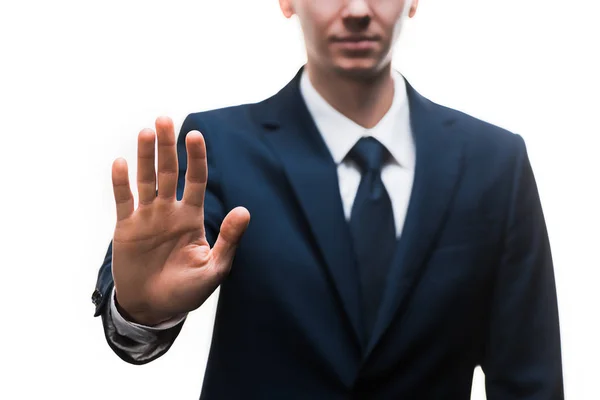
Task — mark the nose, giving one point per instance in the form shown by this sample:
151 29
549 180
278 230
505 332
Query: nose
357 15
358 7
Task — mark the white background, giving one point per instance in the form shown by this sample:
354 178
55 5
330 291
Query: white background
79 79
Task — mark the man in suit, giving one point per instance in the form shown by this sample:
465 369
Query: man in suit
395 244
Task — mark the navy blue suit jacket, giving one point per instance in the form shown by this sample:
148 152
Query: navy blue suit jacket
471 284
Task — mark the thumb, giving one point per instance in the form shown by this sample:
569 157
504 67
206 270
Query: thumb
233 227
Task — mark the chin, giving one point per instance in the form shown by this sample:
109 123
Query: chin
364 68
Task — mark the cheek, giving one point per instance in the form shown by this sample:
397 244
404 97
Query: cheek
391 15
318 11
313 34
318 22
391 11
324 7
397 29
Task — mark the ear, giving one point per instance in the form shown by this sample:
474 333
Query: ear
413 8
287 8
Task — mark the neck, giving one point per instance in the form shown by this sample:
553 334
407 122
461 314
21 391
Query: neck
364 101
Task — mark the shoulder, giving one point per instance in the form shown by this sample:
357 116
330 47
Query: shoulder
483 140
477 130
488 150
221 119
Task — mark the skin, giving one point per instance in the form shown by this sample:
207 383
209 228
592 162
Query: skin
358 83
162 263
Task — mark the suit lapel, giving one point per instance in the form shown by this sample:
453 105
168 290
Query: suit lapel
437 172
312 174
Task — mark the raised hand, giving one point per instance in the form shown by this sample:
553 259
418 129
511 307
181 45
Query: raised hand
162 264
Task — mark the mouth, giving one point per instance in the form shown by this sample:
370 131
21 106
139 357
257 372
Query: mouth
356 43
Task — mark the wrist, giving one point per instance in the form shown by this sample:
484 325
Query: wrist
140 318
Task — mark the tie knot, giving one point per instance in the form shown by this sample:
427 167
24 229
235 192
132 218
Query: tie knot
369 154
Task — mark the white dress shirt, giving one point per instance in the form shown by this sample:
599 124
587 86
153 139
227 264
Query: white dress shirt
340 135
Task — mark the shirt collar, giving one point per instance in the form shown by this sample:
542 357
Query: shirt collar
341 133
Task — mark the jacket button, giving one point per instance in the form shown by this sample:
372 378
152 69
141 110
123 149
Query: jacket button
96 297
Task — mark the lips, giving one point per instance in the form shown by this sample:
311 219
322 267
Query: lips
354 39
357 43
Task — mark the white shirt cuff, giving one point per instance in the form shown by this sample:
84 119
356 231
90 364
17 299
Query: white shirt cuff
139 333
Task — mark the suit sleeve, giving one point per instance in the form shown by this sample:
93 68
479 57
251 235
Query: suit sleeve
523 354
141 349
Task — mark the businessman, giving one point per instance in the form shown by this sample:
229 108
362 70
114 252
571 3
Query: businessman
368 243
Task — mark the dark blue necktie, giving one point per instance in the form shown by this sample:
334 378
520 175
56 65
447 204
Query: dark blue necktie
372 226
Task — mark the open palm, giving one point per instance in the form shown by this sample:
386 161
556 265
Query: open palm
162 264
